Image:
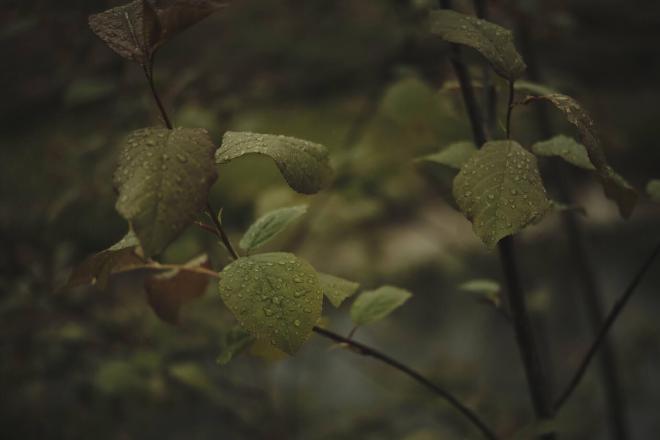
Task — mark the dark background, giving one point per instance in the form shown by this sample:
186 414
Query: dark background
362 78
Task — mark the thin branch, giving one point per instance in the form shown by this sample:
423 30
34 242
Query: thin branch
509 108
149 74
222 235
450 398
527 345
609 321
208 228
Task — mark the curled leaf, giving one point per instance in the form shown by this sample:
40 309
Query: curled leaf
616 187
120 257
494 42
305 165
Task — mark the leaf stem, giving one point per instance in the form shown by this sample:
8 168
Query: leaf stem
509 108
450 398
222 235
602 334
149 74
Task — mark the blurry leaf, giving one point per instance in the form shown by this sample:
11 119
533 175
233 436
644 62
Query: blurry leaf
653 190
453 156
190 374
275 296
169 291
120 257
566 148
499 189
304 165
493 42
269 225
534 88
559 206
337 289
87 90
267 351
119 377
374 305
487 290
163 180
136 30
236 340
616 188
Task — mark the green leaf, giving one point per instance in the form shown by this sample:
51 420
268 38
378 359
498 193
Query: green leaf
566 148
137 29
120 257
488 290
653 190
304 165
616 188
453 156
337 289
269 225
275 296
374 305
163 180
168 292
236 341
499 189
494 42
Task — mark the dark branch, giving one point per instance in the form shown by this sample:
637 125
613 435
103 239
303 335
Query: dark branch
602 334
370 352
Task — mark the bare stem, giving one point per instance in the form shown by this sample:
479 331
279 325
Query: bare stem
149 74
527 345
222 235
450 398
602 334
509 108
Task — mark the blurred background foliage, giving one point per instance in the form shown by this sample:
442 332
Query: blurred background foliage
362 78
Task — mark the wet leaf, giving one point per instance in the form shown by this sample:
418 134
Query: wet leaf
337 289
136 30
566 148
275 296
499 189
168 292
268 226
120 257
374 305
616 188
453 156
163 180
653 190
494 42
265 350
305 165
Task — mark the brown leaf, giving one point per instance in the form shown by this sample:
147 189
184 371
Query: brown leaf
121 257
616 187
136 30
169 291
